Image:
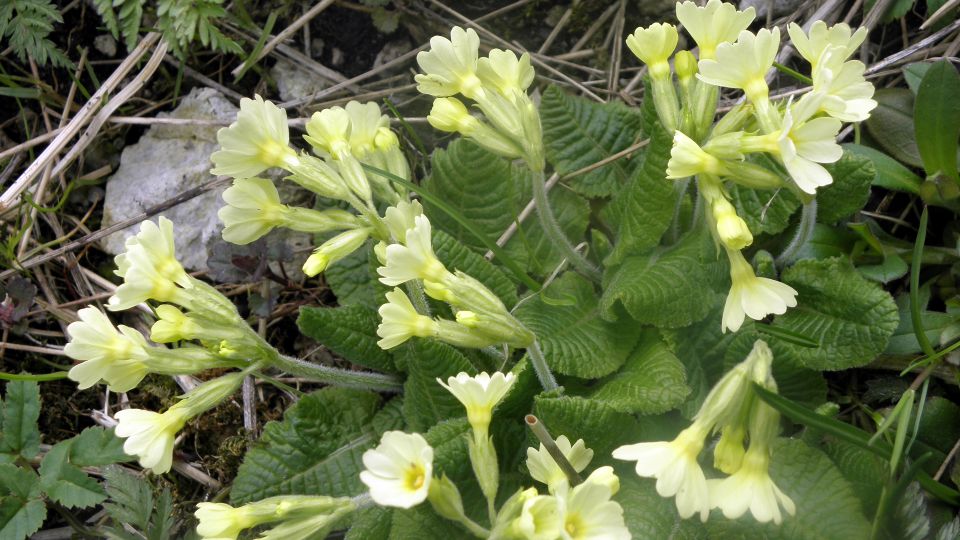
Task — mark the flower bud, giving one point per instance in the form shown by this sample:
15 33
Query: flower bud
685 64
445 498
335 249
728 454
732 230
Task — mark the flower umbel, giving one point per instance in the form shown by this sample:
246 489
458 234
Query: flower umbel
398 471
715 23
118 357
257 141
400 321
543 468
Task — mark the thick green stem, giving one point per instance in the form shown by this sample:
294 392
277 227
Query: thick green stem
808 219
540 367
337 377
555 234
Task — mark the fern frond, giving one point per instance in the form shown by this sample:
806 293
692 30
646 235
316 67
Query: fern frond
26 25
184 21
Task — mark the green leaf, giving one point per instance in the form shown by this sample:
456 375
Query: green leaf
578 132
765 211
652 381
937 119
866 472
575 340
426 402
533 249
456 256
939 425
852 176
317 448
850 317
826 504
22 511
96 447
891 174
891 125
671 287
485 188
648 515
913 74
353 279
643 209
371 524
21 410
131 497
602 427
350 332
65 483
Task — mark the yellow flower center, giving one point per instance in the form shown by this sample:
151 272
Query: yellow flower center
573 525
415 477
273 153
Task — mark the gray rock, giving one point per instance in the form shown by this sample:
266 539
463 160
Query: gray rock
168 160
294 82
105 44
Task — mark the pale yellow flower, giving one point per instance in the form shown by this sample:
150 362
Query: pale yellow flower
258 140
654 45
840 89
840 36
118 357
400 321
731 229
328 131
414 259
399 470
544 469
219 521
503 71
752 296
804 145
715 23
401 217
479 395
674 465
590 514
688 159
450 66
150 435
541 518
743 64
150 268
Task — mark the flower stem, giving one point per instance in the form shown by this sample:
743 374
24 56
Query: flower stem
540 431
555 234
808 219
474 528
338 377
540 367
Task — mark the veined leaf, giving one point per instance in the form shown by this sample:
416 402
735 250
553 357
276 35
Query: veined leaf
891 174
65 483
852 176
671 287
317 448
575 340
531 247
349 331
22 511
765 211
486 189
456 256
891 125
21 410
850 317
651 381
426 402
578 132
602 427
353 279
793 380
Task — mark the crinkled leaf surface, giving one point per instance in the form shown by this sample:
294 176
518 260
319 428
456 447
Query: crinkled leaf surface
21 410
425 401
651 381
350 332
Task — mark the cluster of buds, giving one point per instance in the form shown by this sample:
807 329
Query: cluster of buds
345 139
189 310
800 135
497 84
399 473
291 517
732 409
481 318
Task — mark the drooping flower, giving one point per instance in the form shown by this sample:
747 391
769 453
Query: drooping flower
731 229
118 357
804 145
811 46
479 395
540 518
715 23
654 45
219 521
543 468
752 296
414 259
150 435
400 321
399 470
451 115
257 141
674 465
400 218
743 64
450 66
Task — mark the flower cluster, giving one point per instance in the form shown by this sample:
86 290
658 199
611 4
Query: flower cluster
800 135
291 517
345 139
497 84
732 409
481 318
189 310
399 473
